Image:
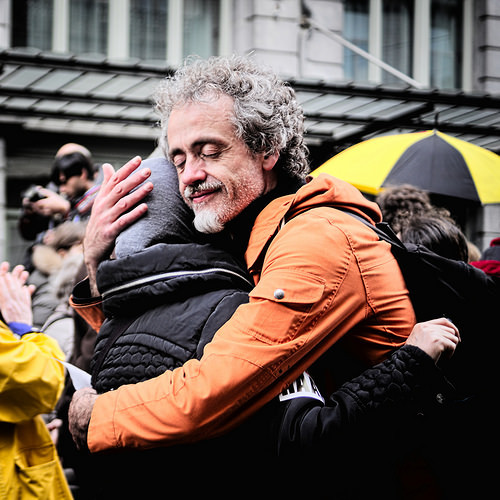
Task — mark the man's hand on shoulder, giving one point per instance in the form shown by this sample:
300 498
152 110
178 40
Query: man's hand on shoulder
79 414
114 209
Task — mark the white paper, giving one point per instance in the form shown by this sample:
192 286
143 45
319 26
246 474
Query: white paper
79 377
303 387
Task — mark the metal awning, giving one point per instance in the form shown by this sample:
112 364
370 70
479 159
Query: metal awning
84 94
49 91
344 114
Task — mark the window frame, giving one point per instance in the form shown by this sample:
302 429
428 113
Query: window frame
118 38
421 42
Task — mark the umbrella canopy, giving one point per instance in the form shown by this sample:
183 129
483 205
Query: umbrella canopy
430 160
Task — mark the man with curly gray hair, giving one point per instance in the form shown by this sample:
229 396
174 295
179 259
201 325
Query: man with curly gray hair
263 114
234 133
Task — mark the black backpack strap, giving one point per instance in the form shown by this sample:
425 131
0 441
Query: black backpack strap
383 229
121 325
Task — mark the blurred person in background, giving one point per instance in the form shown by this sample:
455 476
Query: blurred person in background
43 208
399 203
74 175
438 232
68 196
56 262
489 260
413 217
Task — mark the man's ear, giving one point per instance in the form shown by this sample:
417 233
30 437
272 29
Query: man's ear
270 160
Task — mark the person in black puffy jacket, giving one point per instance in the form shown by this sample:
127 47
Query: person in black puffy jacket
409 377
164 273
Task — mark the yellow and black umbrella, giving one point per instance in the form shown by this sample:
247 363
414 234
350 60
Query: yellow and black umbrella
430 160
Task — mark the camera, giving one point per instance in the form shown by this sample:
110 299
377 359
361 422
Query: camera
33 194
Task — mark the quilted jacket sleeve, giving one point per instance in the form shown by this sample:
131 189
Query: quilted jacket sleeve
406 381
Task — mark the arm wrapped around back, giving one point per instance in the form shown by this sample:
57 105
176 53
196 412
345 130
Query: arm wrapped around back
382 399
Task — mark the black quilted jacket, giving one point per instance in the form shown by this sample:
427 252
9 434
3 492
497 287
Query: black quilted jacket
172 299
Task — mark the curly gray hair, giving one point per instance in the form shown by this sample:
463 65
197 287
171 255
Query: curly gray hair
267 116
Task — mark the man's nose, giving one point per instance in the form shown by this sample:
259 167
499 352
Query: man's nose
193 171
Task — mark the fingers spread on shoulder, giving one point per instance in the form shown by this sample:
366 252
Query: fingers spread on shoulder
127 177
122 189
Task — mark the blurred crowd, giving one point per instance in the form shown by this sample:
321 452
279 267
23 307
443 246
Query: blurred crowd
53 221
415 219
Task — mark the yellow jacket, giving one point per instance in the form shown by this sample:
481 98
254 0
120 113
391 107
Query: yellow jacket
31 381
323 276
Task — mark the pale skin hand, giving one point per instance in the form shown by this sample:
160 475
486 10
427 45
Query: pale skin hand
110 212
15 295
437 337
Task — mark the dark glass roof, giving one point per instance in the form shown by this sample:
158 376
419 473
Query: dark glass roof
46 90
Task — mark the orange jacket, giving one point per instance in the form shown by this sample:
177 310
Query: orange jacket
322 276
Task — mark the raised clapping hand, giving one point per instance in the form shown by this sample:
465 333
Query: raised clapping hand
437 337
112 213
15 295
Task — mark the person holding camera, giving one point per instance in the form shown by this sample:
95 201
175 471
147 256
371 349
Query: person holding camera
70 198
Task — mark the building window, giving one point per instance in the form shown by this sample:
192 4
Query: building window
446 47
393 40
32 23
201 27
356 22
397 39
148 29
88 26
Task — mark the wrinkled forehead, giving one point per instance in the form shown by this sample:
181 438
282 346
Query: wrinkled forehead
195 119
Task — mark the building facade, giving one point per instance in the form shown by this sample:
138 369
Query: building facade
84 71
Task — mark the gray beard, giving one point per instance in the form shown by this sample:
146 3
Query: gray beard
207 222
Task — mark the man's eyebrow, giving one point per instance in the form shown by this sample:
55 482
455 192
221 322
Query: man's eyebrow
198 143
174 152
